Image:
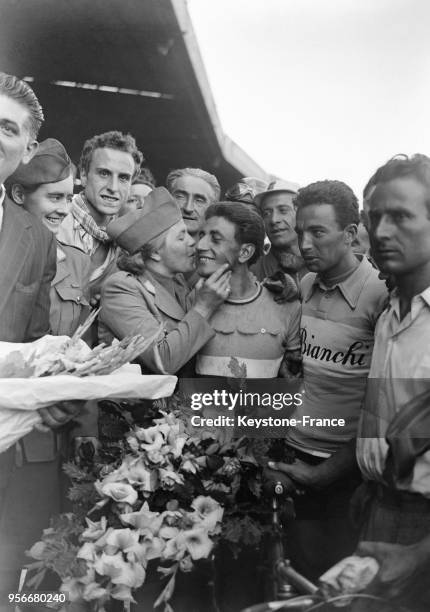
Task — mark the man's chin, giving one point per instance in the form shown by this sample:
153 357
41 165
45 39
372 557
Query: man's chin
192 226
205 270
107 209
280 243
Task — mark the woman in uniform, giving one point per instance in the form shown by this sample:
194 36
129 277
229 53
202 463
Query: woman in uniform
44 187
149 296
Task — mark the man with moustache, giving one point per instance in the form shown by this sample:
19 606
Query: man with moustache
277 209
108 164
194 190
393 449
342 298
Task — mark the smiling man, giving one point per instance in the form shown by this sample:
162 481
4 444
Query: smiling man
279 216
342 298
27 249
27 256
108 164
194 190
249 325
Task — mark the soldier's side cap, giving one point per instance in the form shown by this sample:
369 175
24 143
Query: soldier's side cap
135 229
50 164
276 187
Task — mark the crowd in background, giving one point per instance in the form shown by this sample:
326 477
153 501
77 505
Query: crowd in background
291 283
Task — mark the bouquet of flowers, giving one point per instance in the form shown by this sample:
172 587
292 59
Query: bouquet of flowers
58 368
162 491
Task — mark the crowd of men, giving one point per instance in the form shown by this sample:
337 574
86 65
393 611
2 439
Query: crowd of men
341 294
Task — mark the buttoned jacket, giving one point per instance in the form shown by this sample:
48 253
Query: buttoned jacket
141 304
28 265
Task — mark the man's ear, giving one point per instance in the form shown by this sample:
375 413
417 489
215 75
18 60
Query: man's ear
83 177
30 150
17 193
155 256
247 250
350 233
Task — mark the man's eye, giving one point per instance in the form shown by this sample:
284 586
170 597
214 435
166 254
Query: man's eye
103 173
179 196
318 233
8 129
201 200
125 179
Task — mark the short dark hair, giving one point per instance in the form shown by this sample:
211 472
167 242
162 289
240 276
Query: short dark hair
111 140
145 177
401 166
210 179
249 226
18 90
335 193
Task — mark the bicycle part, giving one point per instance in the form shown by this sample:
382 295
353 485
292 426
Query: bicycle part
300 583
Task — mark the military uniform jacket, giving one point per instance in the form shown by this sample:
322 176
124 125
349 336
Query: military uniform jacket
140 304
69 303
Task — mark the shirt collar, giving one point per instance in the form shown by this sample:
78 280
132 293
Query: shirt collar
394 303
351 287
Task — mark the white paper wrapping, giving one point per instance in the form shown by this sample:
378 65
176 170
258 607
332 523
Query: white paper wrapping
20 398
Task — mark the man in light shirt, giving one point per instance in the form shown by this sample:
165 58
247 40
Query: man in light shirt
108 164
396 466
342 298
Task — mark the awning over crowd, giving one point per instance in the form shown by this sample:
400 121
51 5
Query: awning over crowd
131 65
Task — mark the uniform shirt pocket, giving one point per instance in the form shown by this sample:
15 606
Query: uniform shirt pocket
71 293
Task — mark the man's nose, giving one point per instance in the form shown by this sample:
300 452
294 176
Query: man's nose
202 244
275 218
113 184
188 205
305 242
382 229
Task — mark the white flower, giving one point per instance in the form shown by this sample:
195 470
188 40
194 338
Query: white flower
87 552
120 571
118 491
175 549
151 438
122 593
121 539
208 514
197 543
167 533
168 478
94 530
143 519
95 591
37 551
204 505
73 589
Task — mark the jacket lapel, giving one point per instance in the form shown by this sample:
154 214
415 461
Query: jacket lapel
163 299
14 247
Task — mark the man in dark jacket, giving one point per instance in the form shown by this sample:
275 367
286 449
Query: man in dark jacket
28 264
